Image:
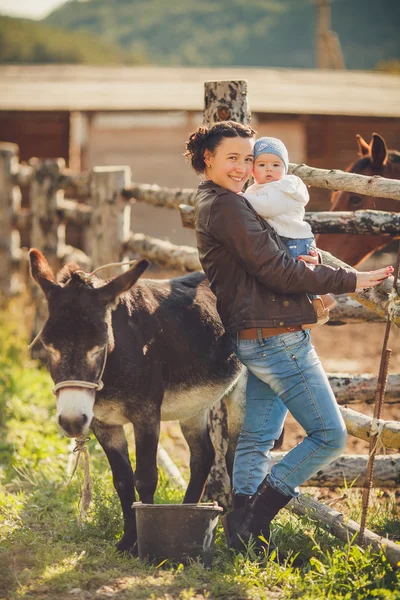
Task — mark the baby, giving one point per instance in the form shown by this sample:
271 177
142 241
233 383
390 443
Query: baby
280 199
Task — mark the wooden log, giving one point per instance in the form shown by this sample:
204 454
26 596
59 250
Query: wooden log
67 209
223 101
68 179
110 222
374 299
22 175
350 388
166 463
350 469
47 229
362 222
370 185
226 101
359 426
75 212
80 183
379 187
163 253
348 310
10 204
160 196
342 527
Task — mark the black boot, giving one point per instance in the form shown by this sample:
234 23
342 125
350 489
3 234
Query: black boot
253 521
240 500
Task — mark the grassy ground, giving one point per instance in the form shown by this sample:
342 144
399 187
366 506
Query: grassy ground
45 554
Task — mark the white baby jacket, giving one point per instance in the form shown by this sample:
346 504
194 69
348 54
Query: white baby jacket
282 203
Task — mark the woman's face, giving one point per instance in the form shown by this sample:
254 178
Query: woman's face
231 163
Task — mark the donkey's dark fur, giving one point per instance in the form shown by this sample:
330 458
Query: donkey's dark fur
375 160
168 358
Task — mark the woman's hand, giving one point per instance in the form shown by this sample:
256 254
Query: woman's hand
312 258
372 278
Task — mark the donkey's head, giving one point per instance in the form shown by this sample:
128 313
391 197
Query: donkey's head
77 334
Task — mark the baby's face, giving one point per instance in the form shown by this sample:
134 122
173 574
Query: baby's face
267 168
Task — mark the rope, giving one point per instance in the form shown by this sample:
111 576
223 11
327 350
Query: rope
115 264
86 490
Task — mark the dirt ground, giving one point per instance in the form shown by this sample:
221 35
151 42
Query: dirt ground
342 349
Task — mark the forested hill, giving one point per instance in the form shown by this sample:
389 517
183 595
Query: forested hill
26 41
278 33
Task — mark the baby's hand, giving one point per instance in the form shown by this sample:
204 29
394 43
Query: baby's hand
311 258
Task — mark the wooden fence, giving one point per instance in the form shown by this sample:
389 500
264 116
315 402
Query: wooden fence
98 202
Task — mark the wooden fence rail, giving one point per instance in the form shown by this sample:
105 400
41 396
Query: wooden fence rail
362 222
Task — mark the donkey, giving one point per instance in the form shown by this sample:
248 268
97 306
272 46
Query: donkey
375 159
129 351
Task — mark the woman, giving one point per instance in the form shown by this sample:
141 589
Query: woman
262 300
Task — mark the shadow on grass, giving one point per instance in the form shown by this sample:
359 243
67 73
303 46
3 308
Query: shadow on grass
48 554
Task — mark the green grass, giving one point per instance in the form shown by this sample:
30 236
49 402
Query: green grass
45 554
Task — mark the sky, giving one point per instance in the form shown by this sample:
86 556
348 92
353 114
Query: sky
30 9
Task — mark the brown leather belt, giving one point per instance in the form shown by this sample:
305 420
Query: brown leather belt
252 334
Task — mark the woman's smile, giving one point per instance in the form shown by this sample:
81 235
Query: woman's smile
231 163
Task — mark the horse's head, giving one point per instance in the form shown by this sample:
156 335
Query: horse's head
374 159
77 335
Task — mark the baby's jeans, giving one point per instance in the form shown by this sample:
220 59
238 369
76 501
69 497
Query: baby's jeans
298 246
285 373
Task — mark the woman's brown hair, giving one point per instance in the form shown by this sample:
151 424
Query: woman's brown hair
209 138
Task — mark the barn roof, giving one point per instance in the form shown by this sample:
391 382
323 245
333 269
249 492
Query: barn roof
289 91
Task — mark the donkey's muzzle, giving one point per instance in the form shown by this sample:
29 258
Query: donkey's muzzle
74 427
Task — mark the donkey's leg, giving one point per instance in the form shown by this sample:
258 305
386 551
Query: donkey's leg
147 433
113 441
202 454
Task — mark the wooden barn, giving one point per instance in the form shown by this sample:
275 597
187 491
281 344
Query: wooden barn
141 116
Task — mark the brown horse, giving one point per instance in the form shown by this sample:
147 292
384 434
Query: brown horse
375 159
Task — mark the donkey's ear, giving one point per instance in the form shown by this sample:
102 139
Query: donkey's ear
363 147
122 283
41 272
379 151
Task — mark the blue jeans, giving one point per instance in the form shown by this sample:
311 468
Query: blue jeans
298 246
285 373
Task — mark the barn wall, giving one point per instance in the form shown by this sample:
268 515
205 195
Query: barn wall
153 143
41 134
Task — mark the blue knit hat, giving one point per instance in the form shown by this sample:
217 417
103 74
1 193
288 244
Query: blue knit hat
271 145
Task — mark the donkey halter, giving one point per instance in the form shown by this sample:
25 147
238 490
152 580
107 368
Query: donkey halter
90 385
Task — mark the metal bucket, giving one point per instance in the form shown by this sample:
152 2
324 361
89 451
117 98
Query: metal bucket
176 532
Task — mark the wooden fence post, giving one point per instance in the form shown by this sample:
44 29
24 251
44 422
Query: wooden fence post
224 101
10 201
110 222
47 229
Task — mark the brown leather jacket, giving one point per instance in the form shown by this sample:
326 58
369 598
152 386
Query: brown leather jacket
255 280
